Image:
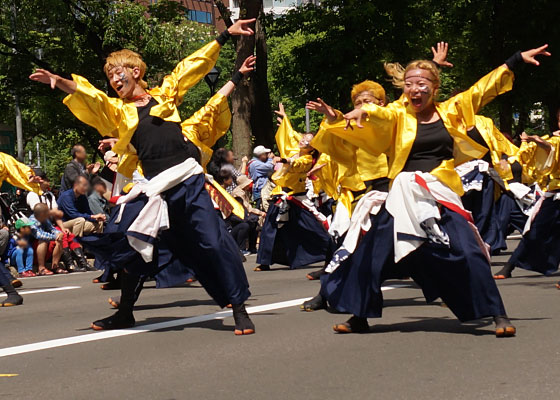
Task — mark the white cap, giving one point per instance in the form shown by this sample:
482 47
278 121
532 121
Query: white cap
260 149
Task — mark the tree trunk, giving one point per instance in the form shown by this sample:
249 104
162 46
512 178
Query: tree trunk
250 102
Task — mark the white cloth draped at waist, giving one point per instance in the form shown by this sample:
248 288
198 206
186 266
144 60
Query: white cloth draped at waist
413 203
154 217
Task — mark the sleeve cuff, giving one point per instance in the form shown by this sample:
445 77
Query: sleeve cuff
223 38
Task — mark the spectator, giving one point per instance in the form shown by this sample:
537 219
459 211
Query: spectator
71 249
254 217
47 197
97 201
225 178
223 159
20 251
78 217
260 168
77 167
4 240
48 240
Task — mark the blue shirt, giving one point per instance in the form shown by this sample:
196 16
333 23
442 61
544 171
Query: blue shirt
259 171
74 207
43 231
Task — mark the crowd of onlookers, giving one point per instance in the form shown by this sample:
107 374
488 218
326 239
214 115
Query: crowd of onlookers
246 184
43 237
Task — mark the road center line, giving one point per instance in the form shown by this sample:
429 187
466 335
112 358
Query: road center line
91 337
56 289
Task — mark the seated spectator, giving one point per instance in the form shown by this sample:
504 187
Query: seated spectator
254 217
47 197
260 168
71 249
223 159
224 178
97 201
78 217
77 167
48 240
20 252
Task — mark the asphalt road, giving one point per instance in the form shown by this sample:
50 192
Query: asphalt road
416 351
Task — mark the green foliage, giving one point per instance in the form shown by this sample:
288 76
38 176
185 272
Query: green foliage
325 49
68 36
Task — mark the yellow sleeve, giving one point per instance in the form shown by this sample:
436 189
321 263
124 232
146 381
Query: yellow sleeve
467 104
16 174
378 130
208 125
301 164
287 139
94 108
189 72
339 149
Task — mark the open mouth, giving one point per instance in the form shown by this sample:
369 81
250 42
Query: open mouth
119 87
416 102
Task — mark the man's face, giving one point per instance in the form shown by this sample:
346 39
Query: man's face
100 189
367 98
124 80
80 154
81 186
263 157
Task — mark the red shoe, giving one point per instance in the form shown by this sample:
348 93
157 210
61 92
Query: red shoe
27 274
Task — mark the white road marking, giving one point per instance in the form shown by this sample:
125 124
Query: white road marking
91 337
56 289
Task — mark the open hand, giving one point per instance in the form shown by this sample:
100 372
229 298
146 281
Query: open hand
355 115
281 113
44 76
321 107
105 144
529 55
241 27
248 65
440 54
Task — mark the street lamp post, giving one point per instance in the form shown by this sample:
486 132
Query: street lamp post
212 79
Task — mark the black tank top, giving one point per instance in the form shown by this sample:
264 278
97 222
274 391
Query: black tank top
160 144
432 145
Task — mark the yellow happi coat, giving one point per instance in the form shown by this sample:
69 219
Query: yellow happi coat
16 174
392 129
292 175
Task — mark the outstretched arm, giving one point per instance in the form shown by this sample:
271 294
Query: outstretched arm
55 81
193 68
247 67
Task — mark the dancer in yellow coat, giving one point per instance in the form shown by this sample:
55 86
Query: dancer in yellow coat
147 123
423 229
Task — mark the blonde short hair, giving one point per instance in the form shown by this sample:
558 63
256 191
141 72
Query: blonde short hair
128 59
398 73
368 86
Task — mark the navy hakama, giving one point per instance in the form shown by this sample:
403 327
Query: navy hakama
300 241
197 238
460 274
539 249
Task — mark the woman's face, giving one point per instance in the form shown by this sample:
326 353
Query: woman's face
419 88
304 143
229 157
